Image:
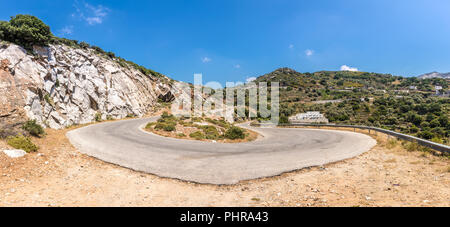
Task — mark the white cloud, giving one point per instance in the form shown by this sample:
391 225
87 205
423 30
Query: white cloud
348 68
251 79
91 14
94 20
237 66
68 30
291 46
206 60
309 52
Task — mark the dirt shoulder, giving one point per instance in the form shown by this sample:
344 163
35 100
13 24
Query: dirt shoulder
60 176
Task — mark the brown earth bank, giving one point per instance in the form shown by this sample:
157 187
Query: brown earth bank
388 175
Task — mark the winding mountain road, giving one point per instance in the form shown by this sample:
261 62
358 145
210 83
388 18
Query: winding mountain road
280 150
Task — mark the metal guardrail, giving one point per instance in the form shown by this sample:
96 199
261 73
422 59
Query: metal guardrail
426 143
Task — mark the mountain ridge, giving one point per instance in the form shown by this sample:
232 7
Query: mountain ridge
434 75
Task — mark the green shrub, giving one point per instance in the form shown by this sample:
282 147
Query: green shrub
49 99
181 135
130 115
98 117
426 135
413 129
211 132
159 126
187 124
435 123
284 120
84 45
222 123
235 133
198 135
67 42
168 127
33 128
168 118
437 140
196 119
23 143
26 31
150 125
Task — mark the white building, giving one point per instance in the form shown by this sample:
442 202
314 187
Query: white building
309 117
438 90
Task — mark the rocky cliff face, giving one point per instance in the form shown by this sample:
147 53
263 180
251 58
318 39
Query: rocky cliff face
60 86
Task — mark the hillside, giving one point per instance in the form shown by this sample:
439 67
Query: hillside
407 105
62 82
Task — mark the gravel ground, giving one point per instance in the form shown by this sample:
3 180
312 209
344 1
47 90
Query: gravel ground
60 176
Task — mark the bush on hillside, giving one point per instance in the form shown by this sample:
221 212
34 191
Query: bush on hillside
23 143
168 118
211 132
150 125
33 128
198 135
168 127
98 117
235 133
284 120
426 135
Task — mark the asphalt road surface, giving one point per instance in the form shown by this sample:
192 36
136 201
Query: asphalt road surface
279 150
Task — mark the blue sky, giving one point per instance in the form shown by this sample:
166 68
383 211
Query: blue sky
232 40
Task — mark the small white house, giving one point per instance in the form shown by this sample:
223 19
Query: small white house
438 89
309 117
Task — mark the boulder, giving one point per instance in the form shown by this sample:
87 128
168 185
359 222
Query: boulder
15 153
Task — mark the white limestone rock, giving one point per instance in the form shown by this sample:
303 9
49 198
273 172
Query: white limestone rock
65 86
15 153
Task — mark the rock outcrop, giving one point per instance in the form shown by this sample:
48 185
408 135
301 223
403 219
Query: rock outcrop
61 86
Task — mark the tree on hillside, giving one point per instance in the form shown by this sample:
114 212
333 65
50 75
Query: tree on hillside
25 30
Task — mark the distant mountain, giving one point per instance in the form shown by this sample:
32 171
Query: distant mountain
435 75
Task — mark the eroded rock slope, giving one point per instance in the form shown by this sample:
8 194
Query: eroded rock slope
60 86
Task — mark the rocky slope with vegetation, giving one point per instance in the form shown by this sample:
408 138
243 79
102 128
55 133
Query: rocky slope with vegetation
408 105
60 82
